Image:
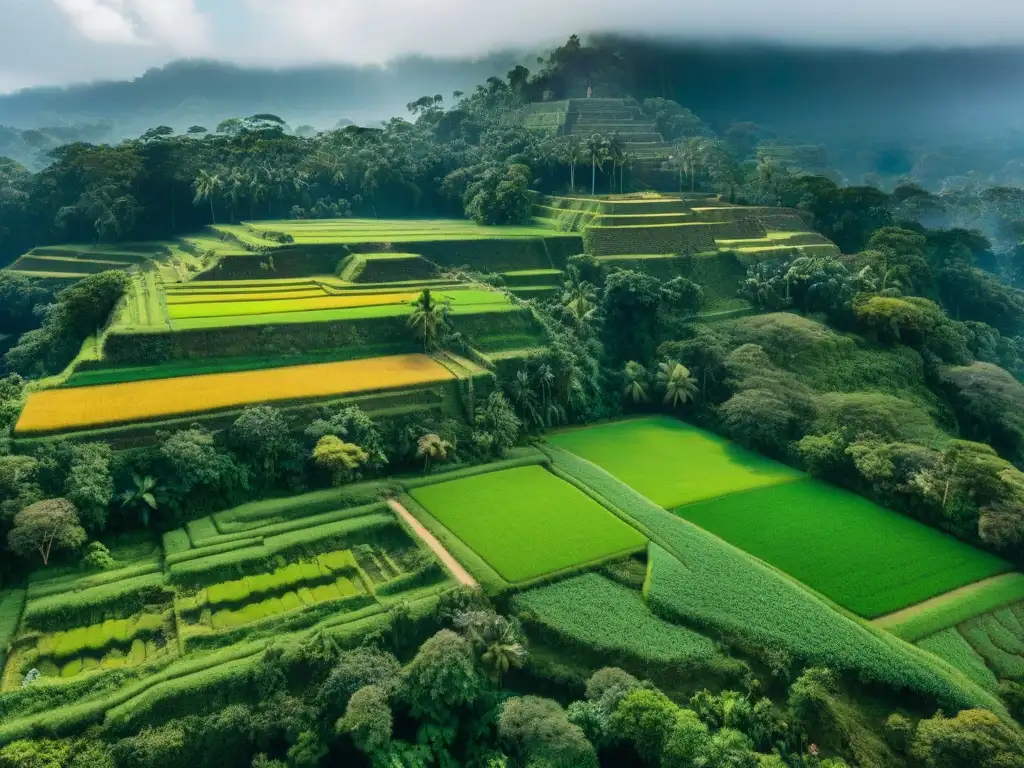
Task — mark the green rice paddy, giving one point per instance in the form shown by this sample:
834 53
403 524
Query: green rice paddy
310 232
673 463
527 523
327 315
866 558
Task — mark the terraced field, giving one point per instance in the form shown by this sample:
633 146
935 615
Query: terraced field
314 569
72 262
84 407
986 648
309 232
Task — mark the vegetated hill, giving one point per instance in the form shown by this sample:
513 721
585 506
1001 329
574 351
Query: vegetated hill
792 89
190 92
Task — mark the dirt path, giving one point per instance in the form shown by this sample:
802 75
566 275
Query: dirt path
428 538
898 617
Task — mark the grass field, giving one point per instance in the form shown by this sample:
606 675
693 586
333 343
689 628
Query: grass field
673 463
84 407
309 232
526 523
866 558
266 306
326 315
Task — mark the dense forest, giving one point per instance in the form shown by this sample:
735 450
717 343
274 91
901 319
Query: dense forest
894 370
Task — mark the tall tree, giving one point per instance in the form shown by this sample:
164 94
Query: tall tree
45 526
208 185
429 319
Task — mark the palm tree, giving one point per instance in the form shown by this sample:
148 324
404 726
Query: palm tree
572 154
768 174
433 449
142 496
675 381
256 192
428 319
207 186
498 642
617 154
237 184
691 155
525 399
596 151
635 376
580 298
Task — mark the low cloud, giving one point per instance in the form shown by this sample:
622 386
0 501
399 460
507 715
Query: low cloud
59 41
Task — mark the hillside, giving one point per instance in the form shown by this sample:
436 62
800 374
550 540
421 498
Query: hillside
721 464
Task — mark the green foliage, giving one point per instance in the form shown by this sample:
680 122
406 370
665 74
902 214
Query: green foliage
79 311
645 718
45 526
671 462
498 195
89 484
442 678
261 437
97 558
77 581
991 403
497 426
538 731
368 720
821 535
882 416
507 518
176 542
341 459
355 670
35 754
973 736
602 616
630 304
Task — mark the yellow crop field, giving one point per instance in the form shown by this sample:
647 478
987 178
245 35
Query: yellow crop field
58 410
207 297
241 307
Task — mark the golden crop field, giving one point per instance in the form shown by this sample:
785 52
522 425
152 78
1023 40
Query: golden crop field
241 307
57 410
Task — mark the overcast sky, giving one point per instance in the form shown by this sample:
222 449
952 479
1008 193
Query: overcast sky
62 41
